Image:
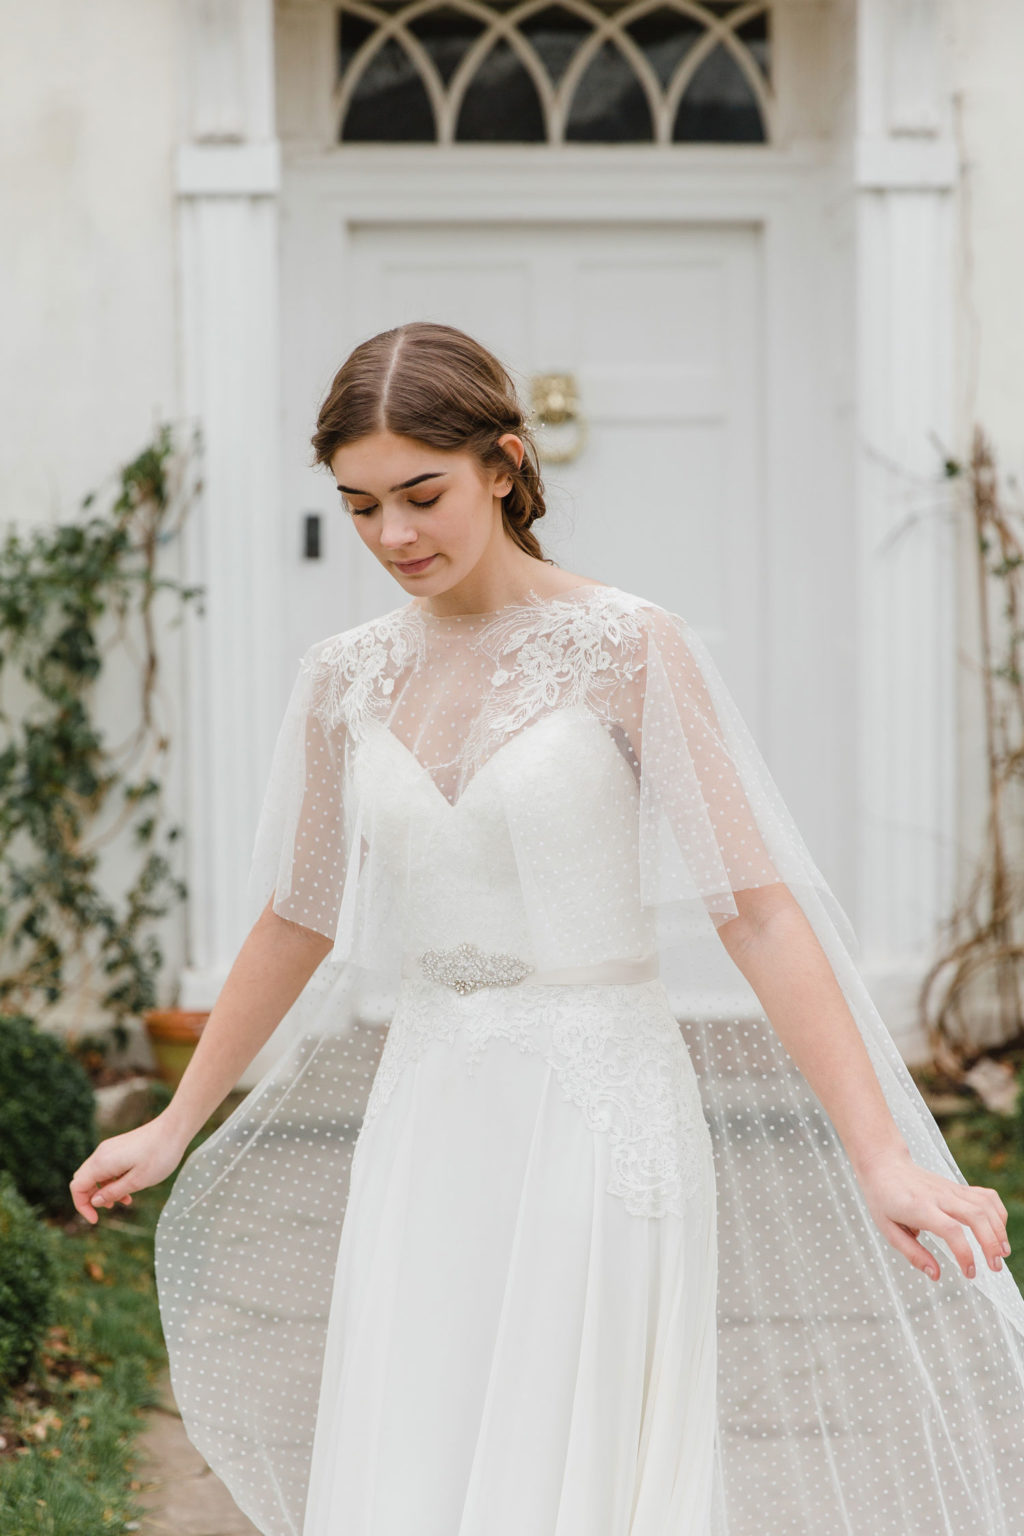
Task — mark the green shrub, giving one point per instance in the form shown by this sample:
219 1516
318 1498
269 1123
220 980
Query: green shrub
28 1280
47 1113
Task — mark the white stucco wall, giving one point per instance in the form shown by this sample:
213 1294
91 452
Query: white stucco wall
88 123
89 120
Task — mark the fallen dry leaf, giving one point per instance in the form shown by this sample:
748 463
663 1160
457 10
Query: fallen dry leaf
82 1378
45 1422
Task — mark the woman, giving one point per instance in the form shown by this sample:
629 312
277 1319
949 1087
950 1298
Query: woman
612 1263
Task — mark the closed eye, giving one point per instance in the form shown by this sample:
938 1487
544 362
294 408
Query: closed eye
365 511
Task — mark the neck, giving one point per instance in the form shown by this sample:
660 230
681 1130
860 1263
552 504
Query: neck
485 591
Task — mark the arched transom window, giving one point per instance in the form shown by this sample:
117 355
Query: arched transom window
583 71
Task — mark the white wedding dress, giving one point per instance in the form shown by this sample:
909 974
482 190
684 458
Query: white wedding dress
535 1228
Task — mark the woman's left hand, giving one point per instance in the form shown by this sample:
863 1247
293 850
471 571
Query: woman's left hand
905 1199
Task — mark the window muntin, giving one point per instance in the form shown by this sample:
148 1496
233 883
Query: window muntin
554 71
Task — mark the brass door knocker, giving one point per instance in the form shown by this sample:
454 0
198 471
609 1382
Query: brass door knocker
555 403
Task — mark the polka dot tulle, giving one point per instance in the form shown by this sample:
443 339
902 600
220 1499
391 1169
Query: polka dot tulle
565 781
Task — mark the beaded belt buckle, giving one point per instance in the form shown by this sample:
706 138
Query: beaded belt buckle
466 968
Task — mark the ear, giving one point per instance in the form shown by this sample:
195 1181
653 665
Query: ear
515 448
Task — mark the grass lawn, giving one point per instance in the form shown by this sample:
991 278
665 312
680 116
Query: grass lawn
990 1150
68 1458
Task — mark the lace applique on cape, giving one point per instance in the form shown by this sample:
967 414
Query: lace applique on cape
547 655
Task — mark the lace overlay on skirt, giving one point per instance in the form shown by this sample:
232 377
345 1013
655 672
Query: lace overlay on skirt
616 1052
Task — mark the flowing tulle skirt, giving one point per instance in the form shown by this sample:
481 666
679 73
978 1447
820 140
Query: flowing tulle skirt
511 1351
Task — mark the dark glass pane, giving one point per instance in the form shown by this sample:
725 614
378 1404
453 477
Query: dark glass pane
446 34
720 7
556 34
501 104
754 33
609 106
666 37
390 104
719 106
352 34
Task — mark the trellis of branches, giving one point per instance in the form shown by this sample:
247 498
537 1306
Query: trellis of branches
979 973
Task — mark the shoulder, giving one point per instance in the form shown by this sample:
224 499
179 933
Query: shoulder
340 675
348 651
639 618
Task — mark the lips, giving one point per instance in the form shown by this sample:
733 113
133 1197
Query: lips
410 567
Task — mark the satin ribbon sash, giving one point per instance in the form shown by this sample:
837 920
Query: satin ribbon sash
467 968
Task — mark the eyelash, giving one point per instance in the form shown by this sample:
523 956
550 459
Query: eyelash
365 511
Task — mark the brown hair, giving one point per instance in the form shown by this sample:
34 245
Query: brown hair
436 384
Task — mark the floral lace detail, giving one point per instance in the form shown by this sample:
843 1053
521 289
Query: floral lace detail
617 1054
547 654
555 655
355 672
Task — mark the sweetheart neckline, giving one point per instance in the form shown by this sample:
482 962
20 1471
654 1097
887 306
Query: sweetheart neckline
424 772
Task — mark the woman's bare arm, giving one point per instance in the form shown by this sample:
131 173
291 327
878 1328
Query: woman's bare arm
272 967
777 950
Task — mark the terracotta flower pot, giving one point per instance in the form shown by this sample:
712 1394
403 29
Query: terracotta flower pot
173 1033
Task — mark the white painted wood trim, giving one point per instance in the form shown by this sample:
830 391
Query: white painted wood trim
228 170
228 180
907 622
904 164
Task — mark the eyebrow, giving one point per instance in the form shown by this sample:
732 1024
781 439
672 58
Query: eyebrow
405 485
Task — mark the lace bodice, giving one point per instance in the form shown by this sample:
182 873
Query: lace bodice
552 782
484 778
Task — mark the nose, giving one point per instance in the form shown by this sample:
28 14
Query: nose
396 531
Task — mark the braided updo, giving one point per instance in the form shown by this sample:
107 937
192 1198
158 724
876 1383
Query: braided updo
434 383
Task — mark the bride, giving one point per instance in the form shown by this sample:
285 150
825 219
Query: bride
590 1195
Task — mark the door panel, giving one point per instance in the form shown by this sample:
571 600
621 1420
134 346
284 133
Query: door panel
660 326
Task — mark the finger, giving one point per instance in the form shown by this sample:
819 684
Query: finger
113 1191
82 1186
980 1217
911 1249
1000 1213
992 1195
952 1234
95 1173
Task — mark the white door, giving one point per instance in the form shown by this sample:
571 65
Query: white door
658 324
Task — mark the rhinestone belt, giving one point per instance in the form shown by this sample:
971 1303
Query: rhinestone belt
466 968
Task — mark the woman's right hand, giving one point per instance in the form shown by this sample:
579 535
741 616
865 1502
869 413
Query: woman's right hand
121 1164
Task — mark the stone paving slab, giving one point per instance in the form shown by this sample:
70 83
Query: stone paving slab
180 1495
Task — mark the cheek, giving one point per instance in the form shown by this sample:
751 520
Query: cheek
462 522
367 529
